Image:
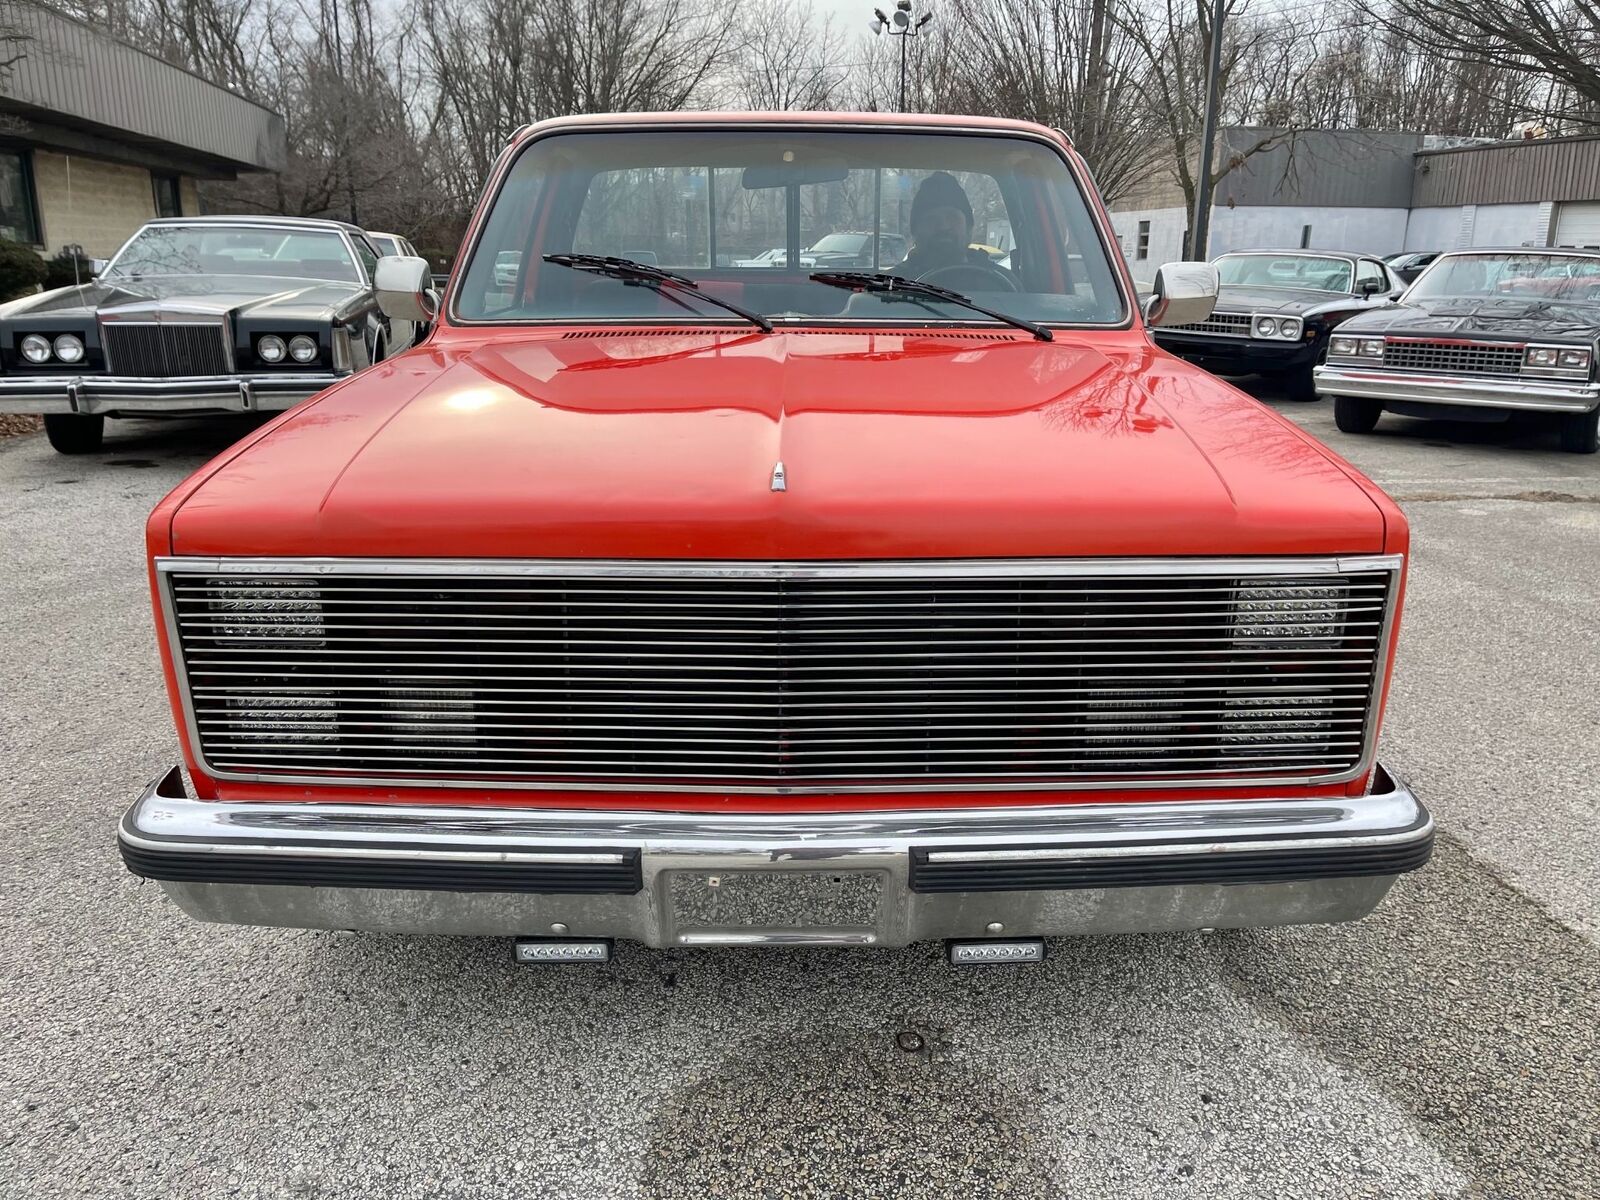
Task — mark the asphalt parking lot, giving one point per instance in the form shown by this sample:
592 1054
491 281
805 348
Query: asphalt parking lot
1447 1046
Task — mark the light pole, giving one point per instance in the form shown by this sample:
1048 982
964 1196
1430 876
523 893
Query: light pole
1200 220
902 25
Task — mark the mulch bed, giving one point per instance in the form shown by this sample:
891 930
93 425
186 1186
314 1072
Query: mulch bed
16 424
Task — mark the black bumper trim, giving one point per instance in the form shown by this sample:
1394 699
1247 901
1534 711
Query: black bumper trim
189 866
1167 870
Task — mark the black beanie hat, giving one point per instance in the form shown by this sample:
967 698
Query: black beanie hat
940 190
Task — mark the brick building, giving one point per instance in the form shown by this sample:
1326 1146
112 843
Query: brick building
97 137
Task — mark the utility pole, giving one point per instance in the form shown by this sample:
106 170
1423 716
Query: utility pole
902 26
1200 220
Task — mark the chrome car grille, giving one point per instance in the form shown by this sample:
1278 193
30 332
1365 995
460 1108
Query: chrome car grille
1232 324
751 677
1459 358
167 349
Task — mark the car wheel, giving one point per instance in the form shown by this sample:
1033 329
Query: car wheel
74 433
1580 432
1356 414
1299 385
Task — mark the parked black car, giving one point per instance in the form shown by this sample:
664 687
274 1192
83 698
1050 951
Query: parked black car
197 315
1481 332
1411 263
1275 310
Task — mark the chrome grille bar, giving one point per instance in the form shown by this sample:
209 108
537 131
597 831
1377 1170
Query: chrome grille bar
167 349
1454 357
782 677
1227 323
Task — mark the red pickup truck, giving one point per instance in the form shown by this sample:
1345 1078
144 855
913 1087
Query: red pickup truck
657 598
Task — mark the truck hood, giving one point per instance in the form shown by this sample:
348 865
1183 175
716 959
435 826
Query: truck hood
665 444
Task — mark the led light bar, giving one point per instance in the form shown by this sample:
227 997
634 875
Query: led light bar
991 953
563 950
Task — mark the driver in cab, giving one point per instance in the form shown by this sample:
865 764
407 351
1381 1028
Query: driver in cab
941 229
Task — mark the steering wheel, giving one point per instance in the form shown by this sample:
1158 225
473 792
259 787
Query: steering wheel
980 277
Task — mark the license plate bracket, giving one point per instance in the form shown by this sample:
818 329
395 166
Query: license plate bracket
792 905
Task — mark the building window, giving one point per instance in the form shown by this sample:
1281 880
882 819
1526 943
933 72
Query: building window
1143 251
169 199
19 210
1305 237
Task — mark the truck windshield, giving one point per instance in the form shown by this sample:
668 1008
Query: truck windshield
1565 277
733 209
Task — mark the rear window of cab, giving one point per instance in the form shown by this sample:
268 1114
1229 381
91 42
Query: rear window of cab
1001 219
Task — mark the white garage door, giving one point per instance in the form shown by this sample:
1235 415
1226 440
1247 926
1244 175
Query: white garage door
1578 225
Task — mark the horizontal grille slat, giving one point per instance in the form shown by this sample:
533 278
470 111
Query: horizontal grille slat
1232 324
1449 357
788 682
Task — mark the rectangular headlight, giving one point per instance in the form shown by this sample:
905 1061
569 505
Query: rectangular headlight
1575 358
1371 347
1541 356
254 610
1286 613
1343 347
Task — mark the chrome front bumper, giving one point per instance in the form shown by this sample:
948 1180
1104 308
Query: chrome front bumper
131 396
1400 387
878 878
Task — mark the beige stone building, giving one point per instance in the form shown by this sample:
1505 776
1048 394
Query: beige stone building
97 137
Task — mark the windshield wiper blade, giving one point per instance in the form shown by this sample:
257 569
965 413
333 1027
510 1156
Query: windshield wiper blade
895 287
638 274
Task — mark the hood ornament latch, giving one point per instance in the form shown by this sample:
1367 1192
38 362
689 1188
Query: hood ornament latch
779 482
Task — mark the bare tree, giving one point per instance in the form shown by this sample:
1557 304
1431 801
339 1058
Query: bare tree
498 64
1555 43
1061 63
1171 37
789 60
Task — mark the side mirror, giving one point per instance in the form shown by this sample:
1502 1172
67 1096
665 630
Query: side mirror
1181 294
1371 287
405 289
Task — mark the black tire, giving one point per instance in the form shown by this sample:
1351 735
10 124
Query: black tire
1580 432
1300 386
1356 414
74 433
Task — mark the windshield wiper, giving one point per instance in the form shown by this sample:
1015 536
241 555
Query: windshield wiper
638 274
896 288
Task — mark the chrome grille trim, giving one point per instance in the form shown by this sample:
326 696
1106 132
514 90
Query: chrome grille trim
167 349
1454 357
1228 324
973 675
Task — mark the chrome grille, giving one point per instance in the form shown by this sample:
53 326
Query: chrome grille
1459 358
790 678
167 349
1232 324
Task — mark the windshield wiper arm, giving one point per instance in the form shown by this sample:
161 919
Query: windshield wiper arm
914 289
638 274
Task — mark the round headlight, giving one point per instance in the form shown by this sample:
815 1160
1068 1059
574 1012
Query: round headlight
69 348
35 348
270 349
1266 327
302 349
